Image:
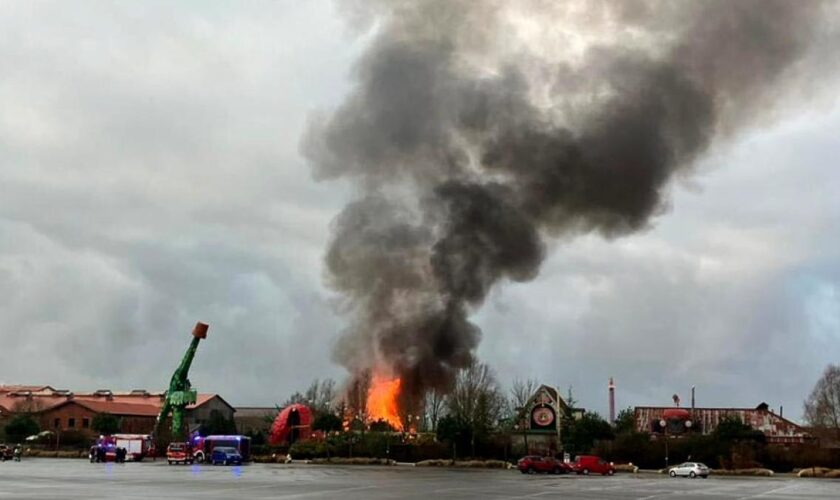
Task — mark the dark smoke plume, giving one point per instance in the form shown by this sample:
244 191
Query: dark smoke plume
476 129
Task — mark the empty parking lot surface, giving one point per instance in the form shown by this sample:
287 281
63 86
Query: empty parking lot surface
51 478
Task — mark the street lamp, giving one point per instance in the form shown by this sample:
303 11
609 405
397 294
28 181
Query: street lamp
664 425
678 425
524 436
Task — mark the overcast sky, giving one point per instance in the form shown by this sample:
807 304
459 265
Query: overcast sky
150 177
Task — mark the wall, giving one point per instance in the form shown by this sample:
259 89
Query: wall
201 414
82 419
776 428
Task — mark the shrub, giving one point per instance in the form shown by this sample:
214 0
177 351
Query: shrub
756 471
105 423
21 426
73 439
308 449
474 464
354 461
626 468
813 472
327 422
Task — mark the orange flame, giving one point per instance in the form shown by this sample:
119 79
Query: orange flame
382 401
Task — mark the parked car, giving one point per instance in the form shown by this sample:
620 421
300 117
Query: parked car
6 452
203 446
535 463
590 464
225 455
689 469
179 453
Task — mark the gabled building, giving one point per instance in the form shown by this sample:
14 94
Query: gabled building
539 424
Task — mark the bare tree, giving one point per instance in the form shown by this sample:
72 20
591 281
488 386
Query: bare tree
822 408
435 403
296 398
355 399
320 396
326 395
28 405
476 401
311 393
521 391
570 398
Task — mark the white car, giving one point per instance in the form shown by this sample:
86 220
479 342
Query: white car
689 469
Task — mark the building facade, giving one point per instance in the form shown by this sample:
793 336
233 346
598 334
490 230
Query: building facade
677 420
61 410
255 419
538 426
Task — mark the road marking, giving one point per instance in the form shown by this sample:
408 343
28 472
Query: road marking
769 492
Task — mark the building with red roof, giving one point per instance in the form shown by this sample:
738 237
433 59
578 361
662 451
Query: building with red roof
137 410
680 420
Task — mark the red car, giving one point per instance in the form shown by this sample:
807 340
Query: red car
534 463
586 464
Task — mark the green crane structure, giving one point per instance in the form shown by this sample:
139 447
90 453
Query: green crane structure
180 393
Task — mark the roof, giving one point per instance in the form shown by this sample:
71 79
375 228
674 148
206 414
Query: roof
203 399
122 409
761 408
136 402
26 388
12 402
256 411
138 410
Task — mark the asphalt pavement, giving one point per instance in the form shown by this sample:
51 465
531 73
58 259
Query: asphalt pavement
78 479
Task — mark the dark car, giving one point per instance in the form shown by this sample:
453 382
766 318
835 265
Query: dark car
535 463
225 455
586 464
6 452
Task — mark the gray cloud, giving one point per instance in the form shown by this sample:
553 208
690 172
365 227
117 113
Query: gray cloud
493 149
736 296
150 177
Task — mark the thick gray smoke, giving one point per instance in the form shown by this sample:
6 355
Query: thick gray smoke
477 129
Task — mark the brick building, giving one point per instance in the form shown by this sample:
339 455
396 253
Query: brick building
62 410
678 420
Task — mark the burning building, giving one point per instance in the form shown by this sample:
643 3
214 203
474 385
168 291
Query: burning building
373 398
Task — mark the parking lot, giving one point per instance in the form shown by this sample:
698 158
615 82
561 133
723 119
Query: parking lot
51 478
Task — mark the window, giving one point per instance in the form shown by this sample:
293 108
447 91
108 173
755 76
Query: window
57 423
85 423
71 422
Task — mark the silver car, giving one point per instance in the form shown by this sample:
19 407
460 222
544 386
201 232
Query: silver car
689 469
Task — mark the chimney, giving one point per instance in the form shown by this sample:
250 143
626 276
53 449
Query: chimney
781 411
611 387
692 400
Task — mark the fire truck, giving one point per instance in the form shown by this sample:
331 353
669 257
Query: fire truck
203 446
137 446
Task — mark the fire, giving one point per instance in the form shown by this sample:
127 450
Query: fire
382 401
